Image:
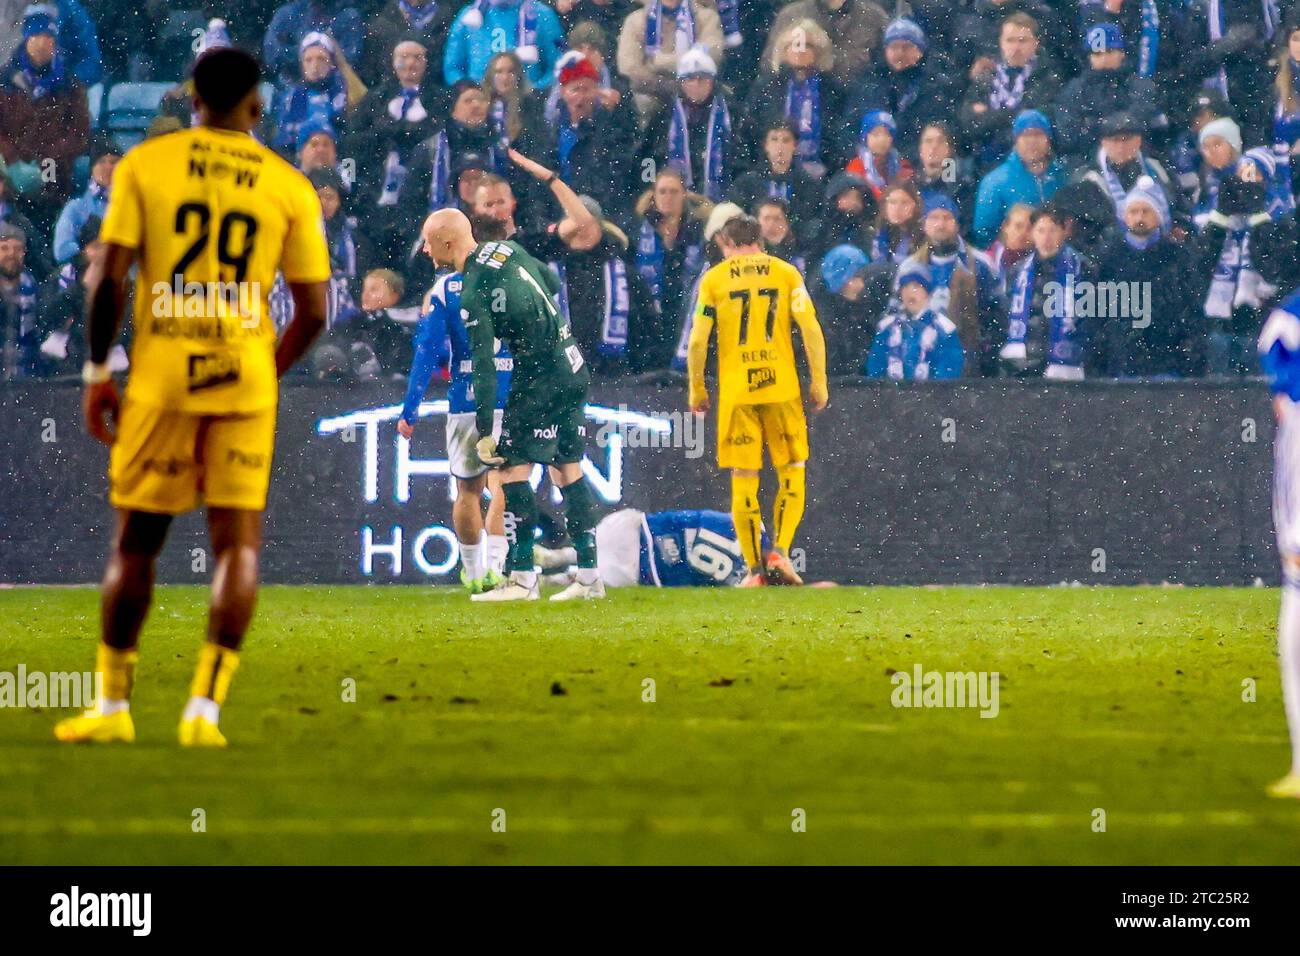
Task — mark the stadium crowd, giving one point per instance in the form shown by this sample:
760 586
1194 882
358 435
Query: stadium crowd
1071 188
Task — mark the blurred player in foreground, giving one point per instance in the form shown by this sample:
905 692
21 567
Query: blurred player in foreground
510 296
752 297
1279 349
482 557
207 215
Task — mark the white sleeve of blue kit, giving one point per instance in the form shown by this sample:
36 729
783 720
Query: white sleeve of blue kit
1279 348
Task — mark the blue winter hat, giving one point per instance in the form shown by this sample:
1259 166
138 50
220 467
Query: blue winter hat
316 124
840 265
40 18
937 200
878 118
1031 119
1103 37
905 29
915 272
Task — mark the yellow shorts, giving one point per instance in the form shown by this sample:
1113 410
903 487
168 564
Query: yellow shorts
164 460
779 425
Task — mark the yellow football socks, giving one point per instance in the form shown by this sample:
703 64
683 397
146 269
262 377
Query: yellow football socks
118 671
215 669
747 517
789 505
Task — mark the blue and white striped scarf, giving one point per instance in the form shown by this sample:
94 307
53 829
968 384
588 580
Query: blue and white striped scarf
405 107
1148 54
878 181
1235 282
338 302
729 13
442 191
779 188
342 244
614 322
884 246
25 303
1064 341
803 108
715 146
1148 59
1113 186
565 140
1006 94
684 17
650 254
325 100
942 268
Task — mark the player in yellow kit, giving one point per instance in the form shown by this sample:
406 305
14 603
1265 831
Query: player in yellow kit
752 298
207 215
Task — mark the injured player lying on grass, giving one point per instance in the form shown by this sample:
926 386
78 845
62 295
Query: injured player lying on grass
660 549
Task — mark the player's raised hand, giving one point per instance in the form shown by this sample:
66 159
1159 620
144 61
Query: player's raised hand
405 428
533 168
487 451
100 404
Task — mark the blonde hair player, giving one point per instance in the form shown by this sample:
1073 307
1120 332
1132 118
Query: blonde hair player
752 298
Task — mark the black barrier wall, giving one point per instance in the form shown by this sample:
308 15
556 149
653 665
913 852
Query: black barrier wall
973 482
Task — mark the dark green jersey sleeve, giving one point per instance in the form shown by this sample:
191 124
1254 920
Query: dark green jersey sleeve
552 281
477 316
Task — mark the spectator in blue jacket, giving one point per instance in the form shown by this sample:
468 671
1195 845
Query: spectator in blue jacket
296 19
78 38
487 27
92 203
914 342
1030 174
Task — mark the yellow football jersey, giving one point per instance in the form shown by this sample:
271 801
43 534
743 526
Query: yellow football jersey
212 215
752 300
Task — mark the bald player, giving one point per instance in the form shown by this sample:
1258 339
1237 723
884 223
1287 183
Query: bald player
508 295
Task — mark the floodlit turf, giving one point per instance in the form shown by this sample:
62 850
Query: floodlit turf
1127 701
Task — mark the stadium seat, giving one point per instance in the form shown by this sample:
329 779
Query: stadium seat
95 100
129 108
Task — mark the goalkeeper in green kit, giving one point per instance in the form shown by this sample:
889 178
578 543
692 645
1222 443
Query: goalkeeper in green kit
510 296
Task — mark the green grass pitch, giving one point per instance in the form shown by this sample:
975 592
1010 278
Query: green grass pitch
1128 701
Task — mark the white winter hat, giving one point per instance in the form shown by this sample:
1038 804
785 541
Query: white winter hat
694 62
1222 127
719 216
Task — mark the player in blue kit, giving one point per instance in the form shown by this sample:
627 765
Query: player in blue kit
440 332
1279 350
662 549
